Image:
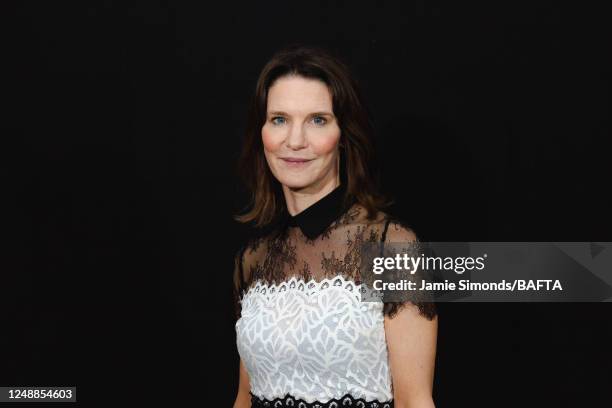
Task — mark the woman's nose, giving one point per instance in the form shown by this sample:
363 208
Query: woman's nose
296 138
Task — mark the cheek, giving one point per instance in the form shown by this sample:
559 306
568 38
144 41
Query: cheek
326 144
270 140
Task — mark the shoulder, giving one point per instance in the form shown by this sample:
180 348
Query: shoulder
390 228
394 229
398 231
255 247
249 249
245 258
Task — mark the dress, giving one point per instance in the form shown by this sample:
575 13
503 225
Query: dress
304 336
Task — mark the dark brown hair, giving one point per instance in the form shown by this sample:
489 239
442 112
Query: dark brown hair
357 156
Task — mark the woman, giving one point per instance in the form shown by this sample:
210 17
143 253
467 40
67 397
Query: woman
304 337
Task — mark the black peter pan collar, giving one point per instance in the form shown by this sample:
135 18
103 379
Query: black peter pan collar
315 219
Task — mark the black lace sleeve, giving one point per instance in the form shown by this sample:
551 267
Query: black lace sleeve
239 280
395 231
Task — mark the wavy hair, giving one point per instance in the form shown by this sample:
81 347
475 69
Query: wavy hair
357 155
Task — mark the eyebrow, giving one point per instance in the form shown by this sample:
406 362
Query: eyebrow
321 113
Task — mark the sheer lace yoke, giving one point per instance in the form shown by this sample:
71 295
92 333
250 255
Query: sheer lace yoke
321 243
290 253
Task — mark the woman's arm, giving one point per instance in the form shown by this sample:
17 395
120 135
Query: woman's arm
243 398
411 340
241 276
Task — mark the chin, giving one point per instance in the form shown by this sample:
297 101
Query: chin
295 183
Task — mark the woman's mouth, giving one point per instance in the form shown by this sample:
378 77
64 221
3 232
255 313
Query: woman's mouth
295 162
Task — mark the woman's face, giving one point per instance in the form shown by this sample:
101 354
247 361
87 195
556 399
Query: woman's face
301 135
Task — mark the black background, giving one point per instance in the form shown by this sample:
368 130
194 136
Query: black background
120 135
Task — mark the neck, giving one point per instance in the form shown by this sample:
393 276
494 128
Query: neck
299 199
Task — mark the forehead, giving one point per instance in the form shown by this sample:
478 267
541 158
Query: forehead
296 94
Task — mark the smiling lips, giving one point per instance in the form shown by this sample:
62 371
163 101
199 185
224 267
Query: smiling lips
295 162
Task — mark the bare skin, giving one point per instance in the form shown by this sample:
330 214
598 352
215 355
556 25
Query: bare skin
301 140
411 341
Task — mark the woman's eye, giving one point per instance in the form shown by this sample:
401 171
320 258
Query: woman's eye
279 120
322 120
273 120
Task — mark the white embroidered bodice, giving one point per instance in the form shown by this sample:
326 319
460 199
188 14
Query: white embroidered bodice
302 331
313 340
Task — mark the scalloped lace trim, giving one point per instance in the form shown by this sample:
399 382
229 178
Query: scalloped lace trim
312 286
345 401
